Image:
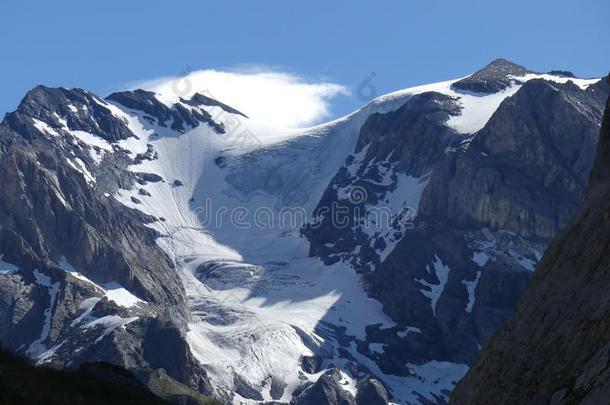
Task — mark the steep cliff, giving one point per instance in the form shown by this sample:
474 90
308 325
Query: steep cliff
556 348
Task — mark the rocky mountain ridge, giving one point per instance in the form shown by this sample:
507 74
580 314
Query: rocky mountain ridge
554 350
107 252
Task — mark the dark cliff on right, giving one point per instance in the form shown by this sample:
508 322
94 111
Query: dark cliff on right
556 348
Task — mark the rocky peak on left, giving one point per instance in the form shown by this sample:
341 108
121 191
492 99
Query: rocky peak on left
82 277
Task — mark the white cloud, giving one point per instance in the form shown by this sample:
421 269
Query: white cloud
274 98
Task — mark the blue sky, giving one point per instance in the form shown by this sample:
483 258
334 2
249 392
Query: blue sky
108 45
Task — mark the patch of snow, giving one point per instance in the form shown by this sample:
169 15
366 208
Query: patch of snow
480 258
358 158
94 141
435 378
37 348
348 383
44 127
376 347
435 291
523 261
112 290
477 109
394 213
62 121
121 296
109 323
49 353
582 83
404 333
471 287
7 268
81 167
86 306
65 264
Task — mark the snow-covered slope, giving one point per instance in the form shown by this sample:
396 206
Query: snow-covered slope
231 206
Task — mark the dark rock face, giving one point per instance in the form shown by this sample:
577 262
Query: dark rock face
555 349
450 268
92 383
155 111
526 170
410 140
81 110
200 99
326 391
57 218
492 78
371 392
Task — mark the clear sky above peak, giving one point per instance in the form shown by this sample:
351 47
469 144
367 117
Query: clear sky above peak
112 45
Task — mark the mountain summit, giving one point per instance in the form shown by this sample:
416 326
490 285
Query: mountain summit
494 77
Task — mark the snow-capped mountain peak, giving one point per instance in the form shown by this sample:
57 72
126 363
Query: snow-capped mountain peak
377 251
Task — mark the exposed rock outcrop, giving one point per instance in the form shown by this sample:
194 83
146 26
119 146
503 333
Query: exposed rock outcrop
326 391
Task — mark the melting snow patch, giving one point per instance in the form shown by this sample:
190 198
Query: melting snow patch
110 323
64 264
404 333
435 290
471 288
113 290
434 377
80 166
93 142
37 348
480 258
523 261
394 214
44 127
376 347
7 268
87 306
120 295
